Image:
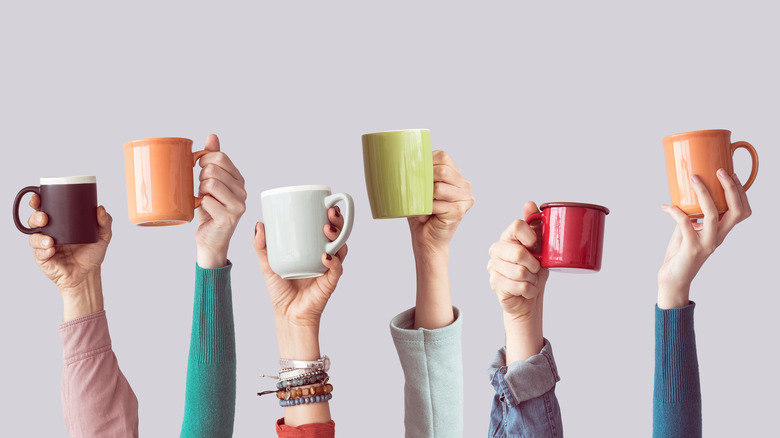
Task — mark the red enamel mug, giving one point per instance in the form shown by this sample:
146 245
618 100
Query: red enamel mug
572 236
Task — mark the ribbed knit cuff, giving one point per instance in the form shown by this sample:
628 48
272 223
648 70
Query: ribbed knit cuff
311 430
676 362
85 337
213 333
402 329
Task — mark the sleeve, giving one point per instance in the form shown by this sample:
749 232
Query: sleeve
677 392
210 400
96 398
313 430
433 371
525 403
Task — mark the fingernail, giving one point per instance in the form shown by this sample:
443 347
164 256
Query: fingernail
336 212
695 179
255 234
328 256
332 229
664 207
722 173
46 242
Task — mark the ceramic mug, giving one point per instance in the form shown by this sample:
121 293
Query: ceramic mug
295 218
159 181
71 205
398 167
572 236
702 153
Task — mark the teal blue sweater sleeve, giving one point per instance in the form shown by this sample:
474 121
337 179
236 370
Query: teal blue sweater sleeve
211 369
677 392
433 369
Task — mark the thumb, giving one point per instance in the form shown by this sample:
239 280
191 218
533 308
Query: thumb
530 208
261 249
104 221
212 143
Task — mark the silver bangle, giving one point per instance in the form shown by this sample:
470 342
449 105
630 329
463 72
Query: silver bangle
288 374
322 363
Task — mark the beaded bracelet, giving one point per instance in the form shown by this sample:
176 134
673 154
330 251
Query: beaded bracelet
304 391
316 378
306 400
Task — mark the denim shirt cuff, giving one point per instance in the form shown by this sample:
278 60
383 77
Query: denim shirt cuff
524 380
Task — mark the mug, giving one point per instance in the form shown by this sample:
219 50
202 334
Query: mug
159 181
572 236
399 173
295 218
702 153
70 202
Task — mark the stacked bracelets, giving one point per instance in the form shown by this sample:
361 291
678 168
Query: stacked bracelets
303 382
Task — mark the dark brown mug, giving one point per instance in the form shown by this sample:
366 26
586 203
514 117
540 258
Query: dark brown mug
70 203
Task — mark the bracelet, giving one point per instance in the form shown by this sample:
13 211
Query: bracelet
292 373
322 363
305 391
300 381
306 400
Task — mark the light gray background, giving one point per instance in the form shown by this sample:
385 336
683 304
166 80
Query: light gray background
544 102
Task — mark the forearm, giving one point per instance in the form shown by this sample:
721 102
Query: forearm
524 337
673 296
434 304
301 343
84 299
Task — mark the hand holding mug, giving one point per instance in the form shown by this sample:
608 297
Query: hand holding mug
75 269
452 198
223 204
692 243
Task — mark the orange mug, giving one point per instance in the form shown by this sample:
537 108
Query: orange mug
702 153
159 180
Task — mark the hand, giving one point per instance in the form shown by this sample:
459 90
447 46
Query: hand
301 302
518 279
75 269
692 243
224 201
451 200
516 276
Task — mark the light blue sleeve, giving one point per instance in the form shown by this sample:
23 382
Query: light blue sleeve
432 361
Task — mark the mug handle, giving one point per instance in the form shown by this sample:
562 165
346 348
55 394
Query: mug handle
349 216
195 157
753 156
17 201
534 217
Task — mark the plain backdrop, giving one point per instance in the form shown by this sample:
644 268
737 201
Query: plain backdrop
543 101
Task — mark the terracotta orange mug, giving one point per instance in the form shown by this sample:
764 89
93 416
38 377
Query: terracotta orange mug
702 153
159 180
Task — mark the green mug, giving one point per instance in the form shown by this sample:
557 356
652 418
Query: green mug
399 173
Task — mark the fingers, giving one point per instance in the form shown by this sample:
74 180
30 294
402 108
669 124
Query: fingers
212 143
520 231
35 202
709 229
512 271
104 221
233 203
450 175
213 171
736 199
683 222
220 159
332 275
441 157
262 250
43 247
335 217
38 219
506 287
513 252
331 232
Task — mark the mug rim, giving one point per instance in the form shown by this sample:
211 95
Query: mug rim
574 204
398 130
288 189
700 131
132 143
66 180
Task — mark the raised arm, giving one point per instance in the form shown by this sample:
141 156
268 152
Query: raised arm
523 374
210 401
427 337
96 398
677 392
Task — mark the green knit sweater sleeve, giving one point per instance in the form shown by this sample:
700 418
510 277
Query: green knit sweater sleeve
210 401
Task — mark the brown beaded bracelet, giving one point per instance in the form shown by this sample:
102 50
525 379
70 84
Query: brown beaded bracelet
304 391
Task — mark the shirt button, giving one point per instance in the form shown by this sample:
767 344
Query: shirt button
503 370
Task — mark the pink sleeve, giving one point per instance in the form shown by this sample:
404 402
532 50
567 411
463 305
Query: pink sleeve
96 398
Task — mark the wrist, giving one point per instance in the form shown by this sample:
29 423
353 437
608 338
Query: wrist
673 297
297 342
524 337
84 298
212 258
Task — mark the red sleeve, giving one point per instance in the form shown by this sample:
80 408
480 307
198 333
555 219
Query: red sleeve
311 430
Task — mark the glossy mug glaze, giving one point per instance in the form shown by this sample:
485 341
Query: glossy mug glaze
70 203
295 218
702 153
398 167
572 236
160 182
